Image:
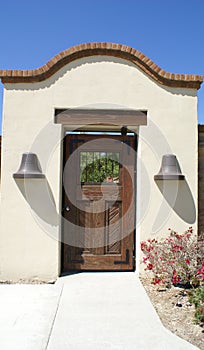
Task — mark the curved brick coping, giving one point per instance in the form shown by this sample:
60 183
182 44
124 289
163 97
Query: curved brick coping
107 49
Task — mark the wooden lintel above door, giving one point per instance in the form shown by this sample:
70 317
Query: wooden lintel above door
119 117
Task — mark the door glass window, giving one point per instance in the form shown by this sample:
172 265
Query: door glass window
98 167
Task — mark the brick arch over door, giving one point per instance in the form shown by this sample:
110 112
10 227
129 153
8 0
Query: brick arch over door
107 49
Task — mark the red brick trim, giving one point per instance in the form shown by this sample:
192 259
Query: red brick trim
107 49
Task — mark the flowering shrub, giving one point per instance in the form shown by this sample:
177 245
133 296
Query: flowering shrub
200 271
175 259
196 297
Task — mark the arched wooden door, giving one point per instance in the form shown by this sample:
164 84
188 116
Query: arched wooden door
98 202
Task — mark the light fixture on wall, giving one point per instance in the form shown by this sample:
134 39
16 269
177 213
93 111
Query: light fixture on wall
170 169
124 130
29 167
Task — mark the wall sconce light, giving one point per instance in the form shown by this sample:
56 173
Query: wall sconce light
170 169
29 167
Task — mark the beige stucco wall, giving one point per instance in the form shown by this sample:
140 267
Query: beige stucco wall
29 246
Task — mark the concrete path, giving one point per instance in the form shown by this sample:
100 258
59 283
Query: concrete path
86 311
27 313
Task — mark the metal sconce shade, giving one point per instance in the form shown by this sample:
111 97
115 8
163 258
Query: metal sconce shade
29 167
170 169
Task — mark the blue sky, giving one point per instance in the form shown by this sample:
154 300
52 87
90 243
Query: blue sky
170 32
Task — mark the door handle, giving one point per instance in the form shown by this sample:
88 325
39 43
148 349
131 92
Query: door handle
66 208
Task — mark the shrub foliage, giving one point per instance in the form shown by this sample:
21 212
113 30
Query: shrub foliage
178 260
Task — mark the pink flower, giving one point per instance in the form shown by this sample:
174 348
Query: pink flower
176 248
201 271
175 278
143 245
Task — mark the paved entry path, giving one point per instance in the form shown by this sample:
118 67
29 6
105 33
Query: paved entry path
85 311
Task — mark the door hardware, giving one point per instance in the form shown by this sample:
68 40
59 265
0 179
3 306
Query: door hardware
124 262
67 208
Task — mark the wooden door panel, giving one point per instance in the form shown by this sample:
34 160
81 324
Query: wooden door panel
113 227
104 204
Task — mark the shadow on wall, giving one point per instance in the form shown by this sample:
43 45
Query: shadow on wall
178 196
38 194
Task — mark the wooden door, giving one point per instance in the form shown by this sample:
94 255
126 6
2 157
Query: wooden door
98 202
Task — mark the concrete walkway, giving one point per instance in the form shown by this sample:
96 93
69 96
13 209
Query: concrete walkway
93 311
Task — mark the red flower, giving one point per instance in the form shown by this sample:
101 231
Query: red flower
187 261
156 281
149 266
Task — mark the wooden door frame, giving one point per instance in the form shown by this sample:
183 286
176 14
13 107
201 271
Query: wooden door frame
109 133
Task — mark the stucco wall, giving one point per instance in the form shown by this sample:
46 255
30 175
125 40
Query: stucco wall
201 180
28 246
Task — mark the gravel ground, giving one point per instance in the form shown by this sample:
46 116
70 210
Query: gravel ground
175 312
